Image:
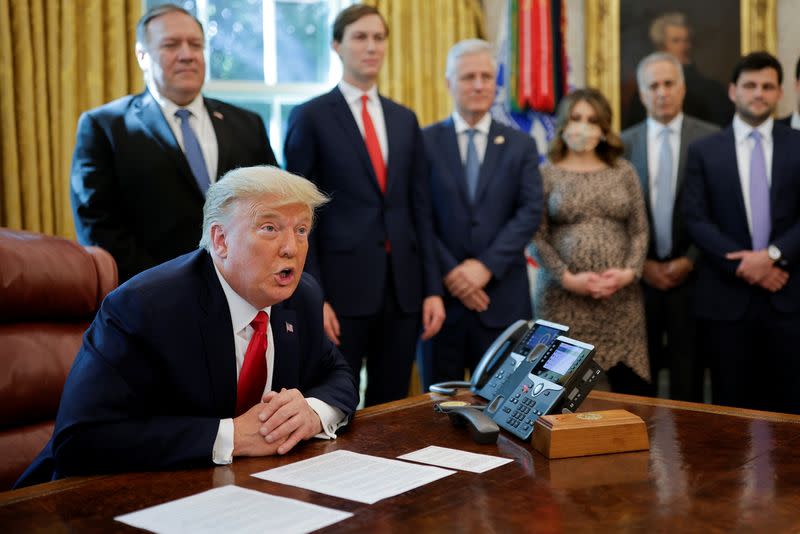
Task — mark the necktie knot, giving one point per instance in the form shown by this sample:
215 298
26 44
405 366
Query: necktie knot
756 135
364 99
259 323
665 133
471 133
183 114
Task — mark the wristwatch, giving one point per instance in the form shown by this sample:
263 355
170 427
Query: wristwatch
774 253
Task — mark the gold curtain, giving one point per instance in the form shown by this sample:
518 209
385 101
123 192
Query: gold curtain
420 34
57 59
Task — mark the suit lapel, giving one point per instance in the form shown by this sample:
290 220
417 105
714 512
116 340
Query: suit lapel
224 136
730 167
494 143
286 371
640 162
452 158
780 151
344 117
216 330
156 126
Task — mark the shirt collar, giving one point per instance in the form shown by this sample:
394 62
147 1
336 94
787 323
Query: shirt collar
169 107
352 94
741 130
654 127
482 125
242 312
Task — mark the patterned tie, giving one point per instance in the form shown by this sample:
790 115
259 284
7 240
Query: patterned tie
194 154
665 197
759 195
253 376
472 166
373 146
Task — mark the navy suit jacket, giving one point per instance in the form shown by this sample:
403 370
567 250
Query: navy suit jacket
157 371
347 247
132 190
497 226
635 141
717 222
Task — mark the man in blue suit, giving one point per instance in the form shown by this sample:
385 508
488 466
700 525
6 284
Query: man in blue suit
215 354
487 202
142 163
742 209
373 249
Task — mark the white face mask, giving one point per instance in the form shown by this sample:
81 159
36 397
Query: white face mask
581 136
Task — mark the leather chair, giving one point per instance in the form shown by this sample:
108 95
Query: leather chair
50 289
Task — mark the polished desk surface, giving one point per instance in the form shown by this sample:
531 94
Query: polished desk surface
709 469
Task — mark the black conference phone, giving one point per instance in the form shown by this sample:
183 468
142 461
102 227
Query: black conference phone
557 383
519 346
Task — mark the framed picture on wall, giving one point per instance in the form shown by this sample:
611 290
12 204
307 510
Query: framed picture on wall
707 37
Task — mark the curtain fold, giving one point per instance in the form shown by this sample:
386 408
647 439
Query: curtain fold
420 34
57 59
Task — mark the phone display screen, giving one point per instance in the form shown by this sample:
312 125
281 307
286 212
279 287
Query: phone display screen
544 335
560 365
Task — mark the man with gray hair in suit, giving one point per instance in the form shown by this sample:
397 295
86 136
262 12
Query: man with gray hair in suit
657 149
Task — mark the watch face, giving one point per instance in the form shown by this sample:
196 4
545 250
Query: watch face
774 253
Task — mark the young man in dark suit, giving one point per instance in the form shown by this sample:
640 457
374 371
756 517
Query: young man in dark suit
742 209
215 354
373 251
142 163
487 203
657 149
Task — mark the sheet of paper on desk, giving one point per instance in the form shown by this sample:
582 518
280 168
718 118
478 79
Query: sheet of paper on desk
455 459
233 509
354 476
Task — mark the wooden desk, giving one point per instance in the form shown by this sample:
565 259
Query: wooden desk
709 469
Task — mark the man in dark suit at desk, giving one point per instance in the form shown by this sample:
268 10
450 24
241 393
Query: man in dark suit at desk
487 200
793 119
742 209
215 354
142 163
657 149
373 250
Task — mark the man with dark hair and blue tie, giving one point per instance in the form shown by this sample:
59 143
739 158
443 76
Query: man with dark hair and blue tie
742 209
657 149
143 163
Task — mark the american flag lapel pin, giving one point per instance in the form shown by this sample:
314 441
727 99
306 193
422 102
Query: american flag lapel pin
290 328
218 115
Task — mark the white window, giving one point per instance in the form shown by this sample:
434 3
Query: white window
267 55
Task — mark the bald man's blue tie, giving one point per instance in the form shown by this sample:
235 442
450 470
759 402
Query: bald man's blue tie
193 152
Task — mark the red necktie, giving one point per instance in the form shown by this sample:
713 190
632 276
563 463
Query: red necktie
253 376
373 146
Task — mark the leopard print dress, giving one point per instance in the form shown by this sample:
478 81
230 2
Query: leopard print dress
594 221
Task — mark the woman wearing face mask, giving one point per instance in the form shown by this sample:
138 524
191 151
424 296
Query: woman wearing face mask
592 241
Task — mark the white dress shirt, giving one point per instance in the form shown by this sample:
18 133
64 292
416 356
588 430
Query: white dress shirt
654 129
481 135
352 96
242 314
744 150
199 122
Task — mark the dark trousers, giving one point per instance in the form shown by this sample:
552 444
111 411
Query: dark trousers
459 346
387 339
622 379
672 341
755 361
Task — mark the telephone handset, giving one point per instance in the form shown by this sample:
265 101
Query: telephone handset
523 341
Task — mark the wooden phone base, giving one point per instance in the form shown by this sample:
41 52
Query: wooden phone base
587 433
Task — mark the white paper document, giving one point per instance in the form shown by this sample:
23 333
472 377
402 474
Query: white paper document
233 509
455 459
354 476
